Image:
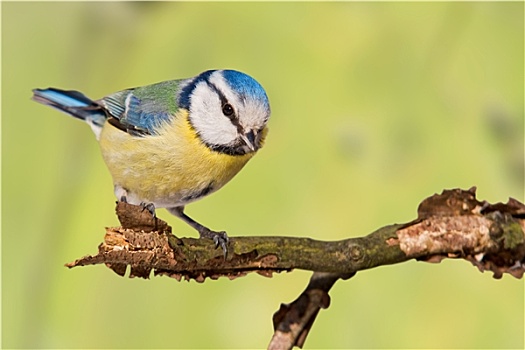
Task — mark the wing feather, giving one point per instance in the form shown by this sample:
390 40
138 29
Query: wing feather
142 110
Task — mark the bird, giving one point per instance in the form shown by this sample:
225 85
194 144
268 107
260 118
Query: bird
171 143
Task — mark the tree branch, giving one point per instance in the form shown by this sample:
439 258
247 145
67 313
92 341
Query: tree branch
453 224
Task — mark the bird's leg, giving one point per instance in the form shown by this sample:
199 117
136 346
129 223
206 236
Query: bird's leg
219 238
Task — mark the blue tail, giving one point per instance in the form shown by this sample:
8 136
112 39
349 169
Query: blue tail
75 104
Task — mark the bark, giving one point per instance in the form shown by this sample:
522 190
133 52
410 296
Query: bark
453 224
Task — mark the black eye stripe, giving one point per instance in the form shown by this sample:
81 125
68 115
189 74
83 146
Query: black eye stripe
223 98
224 102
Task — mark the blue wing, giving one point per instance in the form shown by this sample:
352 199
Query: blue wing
142 110
138 111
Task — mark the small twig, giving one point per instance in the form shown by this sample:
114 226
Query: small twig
292 322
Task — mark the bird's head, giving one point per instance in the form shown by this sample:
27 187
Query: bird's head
228 109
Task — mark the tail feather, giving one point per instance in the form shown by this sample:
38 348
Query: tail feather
71 102
75 104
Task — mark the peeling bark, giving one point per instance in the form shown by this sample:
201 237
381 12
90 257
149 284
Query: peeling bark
453 224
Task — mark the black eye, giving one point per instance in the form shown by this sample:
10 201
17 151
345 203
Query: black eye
227 110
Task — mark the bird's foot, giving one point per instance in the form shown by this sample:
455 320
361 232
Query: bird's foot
219 238
149 207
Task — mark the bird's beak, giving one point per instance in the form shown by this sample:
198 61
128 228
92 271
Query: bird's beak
249 139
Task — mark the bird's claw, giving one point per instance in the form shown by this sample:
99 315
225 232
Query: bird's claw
149 207
222 241
219 238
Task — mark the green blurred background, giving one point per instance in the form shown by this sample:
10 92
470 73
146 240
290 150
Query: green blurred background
374 107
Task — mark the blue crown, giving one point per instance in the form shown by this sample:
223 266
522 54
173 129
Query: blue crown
243 84
246 86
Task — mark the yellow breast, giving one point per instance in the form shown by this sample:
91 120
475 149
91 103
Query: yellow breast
169 169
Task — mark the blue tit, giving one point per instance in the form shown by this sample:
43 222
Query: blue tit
174 142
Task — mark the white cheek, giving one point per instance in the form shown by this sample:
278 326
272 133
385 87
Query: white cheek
207 118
